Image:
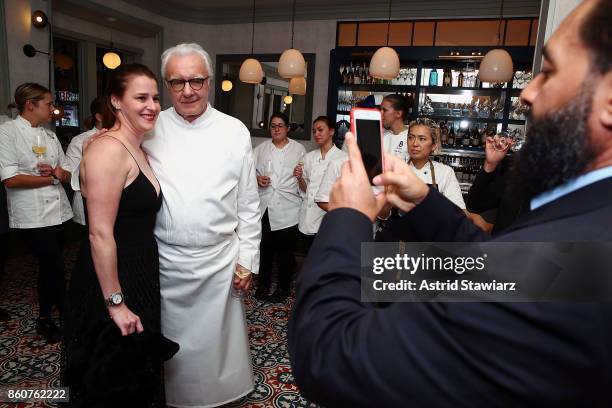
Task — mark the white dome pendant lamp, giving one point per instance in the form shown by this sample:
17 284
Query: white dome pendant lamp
291 63
385 63
250 70
297 86
496 66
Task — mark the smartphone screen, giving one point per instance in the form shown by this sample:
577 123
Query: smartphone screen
368 140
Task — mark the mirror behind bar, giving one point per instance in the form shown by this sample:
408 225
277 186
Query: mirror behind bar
254 104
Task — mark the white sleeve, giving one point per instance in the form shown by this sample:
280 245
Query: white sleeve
9 161
74 154
333 171
449 187
249 218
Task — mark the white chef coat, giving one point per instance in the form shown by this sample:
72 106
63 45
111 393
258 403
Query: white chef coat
209 221
31 207
396 144
74 155
446 180
333 171
282 198
314 170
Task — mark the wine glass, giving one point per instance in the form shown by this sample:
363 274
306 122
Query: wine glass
501 141
39 146
268 170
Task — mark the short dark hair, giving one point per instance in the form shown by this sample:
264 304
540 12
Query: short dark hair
596 34
117 85
328 122
281 116
399 103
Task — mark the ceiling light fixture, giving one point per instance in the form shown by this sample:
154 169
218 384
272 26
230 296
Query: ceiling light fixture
385 63
250 70
226 85
297 86
39 19
291 63
496 66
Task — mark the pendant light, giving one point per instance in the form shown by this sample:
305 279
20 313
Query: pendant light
288 99
297 86
226 84
291 63
496 66
111 59
250 70
385 63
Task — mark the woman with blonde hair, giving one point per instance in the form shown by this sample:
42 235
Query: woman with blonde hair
423 141
30 164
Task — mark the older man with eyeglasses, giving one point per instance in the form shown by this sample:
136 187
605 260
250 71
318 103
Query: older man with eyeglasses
208 232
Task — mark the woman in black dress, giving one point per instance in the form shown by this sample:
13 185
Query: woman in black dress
113 350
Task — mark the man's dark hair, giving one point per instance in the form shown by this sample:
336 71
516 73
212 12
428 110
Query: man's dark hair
596 34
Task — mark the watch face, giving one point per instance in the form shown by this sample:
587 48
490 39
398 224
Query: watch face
117 298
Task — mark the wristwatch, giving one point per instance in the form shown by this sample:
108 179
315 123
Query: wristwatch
115 299
55 180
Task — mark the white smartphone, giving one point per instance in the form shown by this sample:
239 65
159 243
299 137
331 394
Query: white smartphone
366 125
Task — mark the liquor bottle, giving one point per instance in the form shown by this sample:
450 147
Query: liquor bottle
459 137
443 133
351 74
475 137
367 74
447 80
466 138
344 75
460 79
451 135
433 78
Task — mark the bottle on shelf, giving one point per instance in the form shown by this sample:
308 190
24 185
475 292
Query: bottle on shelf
447 79
451 135
443 133
459 137
344 75
433 77
351 75
460 79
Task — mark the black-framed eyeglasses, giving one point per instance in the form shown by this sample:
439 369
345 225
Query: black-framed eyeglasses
178 85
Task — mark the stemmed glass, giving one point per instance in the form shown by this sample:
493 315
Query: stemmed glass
39 146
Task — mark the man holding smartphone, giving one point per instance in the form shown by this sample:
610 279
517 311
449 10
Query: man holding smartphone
348 353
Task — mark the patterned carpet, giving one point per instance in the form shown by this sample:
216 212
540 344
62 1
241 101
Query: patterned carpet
27 361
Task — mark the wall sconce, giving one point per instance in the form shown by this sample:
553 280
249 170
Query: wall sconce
288 99
39 19
58 112
30 51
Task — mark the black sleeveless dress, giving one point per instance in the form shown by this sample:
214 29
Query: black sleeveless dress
101 367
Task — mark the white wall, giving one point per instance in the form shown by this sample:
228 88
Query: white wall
19 31
557 11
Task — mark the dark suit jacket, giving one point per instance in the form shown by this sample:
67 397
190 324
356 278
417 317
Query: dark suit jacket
346 353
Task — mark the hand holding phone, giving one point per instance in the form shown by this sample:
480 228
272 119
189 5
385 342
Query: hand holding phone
366 125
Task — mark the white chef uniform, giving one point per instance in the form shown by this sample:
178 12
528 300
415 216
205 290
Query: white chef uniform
209 221
74 155
314 170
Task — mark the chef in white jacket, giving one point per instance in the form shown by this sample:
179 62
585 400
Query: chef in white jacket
74 155
311 174
208 232
275 161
